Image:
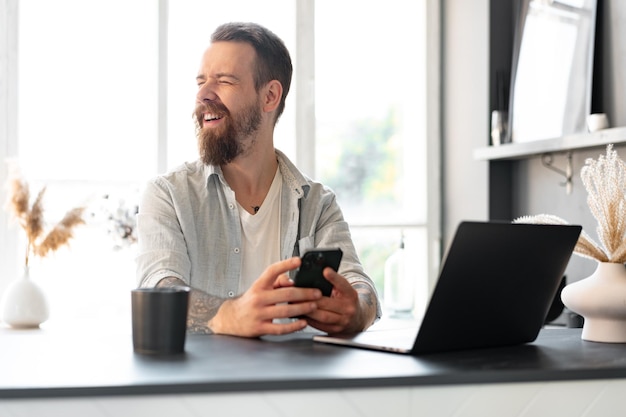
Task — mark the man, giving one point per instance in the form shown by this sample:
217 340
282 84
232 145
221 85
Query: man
232 225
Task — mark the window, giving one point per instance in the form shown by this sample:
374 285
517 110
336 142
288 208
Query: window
370 95
99 111
86 123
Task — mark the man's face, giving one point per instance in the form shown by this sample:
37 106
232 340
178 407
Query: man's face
228 111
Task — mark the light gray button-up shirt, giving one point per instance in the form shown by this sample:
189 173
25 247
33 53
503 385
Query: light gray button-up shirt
189 228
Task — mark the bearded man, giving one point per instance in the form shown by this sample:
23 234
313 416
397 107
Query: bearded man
232 225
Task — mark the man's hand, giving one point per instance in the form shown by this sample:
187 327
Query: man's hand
272 296
349 309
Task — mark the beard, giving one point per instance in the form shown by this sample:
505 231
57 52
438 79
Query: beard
221 145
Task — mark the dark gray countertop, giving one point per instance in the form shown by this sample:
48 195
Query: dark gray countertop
81 362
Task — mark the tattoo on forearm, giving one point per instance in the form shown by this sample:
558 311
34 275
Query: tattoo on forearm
366 296
202 306
365 293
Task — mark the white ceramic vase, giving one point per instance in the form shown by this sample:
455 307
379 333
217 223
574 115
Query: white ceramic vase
23 304
601 300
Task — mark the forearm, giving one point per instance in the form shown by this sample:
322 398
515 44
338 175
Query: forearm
203 307
368 305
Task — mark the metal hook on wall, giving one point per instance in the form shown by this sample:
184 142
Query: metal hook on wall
546 161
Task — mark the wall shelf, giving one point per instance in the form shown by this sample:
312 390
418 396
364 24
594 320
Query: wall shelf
510 151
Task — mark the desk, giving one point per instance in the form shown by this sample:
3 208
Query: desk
95 373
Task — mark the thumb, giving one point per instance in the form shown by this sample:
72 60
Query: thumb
339 281
272 272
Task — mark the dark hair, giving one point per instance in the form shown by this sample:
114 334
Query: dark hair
273 61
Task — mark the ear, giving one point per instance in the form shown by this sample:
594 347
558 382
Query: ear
272 93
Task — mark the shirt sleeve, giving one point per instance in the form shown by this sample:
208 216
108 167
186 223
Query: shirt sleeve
325 227
162 250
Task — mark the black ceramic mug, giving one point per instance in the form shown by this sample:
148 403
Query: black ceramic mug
159 320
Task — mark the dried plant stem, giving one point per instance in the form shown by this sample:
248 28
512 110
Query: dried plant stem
61 233
605 182
34 219
31 219
587 248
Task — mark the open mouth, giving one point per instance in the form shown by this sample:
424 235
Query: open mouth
209 117
210 114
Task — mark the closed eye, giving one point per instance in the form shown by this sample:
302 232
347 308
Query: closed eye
227 79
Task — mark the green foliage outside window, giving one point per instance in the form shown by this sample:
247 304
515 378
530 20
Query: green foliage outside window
365 174
368 167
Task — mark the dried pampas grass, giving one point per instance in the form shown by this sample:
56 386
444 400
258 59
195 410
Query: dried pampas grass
31 218
605 182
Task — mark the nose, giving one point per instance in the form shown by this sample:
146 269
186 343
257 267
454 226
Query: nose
206 92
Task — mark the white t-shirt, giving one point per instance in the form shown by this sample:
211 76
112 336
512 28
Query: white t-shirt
261 235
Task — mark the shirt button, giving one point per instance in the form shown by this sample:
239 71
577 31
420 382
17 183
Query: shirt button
231 294
236 250
231 206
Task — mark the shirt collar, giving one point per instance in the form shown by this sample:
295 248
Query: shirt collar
297 182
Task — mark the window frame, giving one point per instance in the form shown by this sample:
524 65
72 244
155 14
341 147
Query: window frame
8 135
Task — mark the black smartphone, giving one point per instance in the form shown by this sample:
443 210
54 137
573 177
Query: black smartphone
313 263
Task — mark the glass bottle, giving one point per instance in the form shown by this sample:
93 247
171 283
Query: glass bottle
399 284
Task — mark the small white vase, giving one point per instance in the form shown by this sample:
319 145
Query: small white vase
601 300
23 303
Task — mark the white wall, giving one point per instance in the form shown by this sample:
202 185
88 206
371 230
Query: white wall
465 108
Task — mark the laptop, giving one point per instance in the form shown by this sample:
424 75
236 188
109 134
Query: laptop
495 287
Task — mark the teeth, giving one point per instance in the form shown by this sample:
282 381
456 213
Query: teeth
210 116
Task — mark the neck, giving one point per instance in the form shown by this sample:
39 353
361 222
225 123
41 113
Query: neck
251 176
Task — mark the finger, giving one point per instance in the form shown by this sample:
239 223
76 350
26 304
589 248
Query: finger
284 328
328 327
338 281
330 317
285 311
269 276
292 295
331 309
283 280
270 327
321 315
